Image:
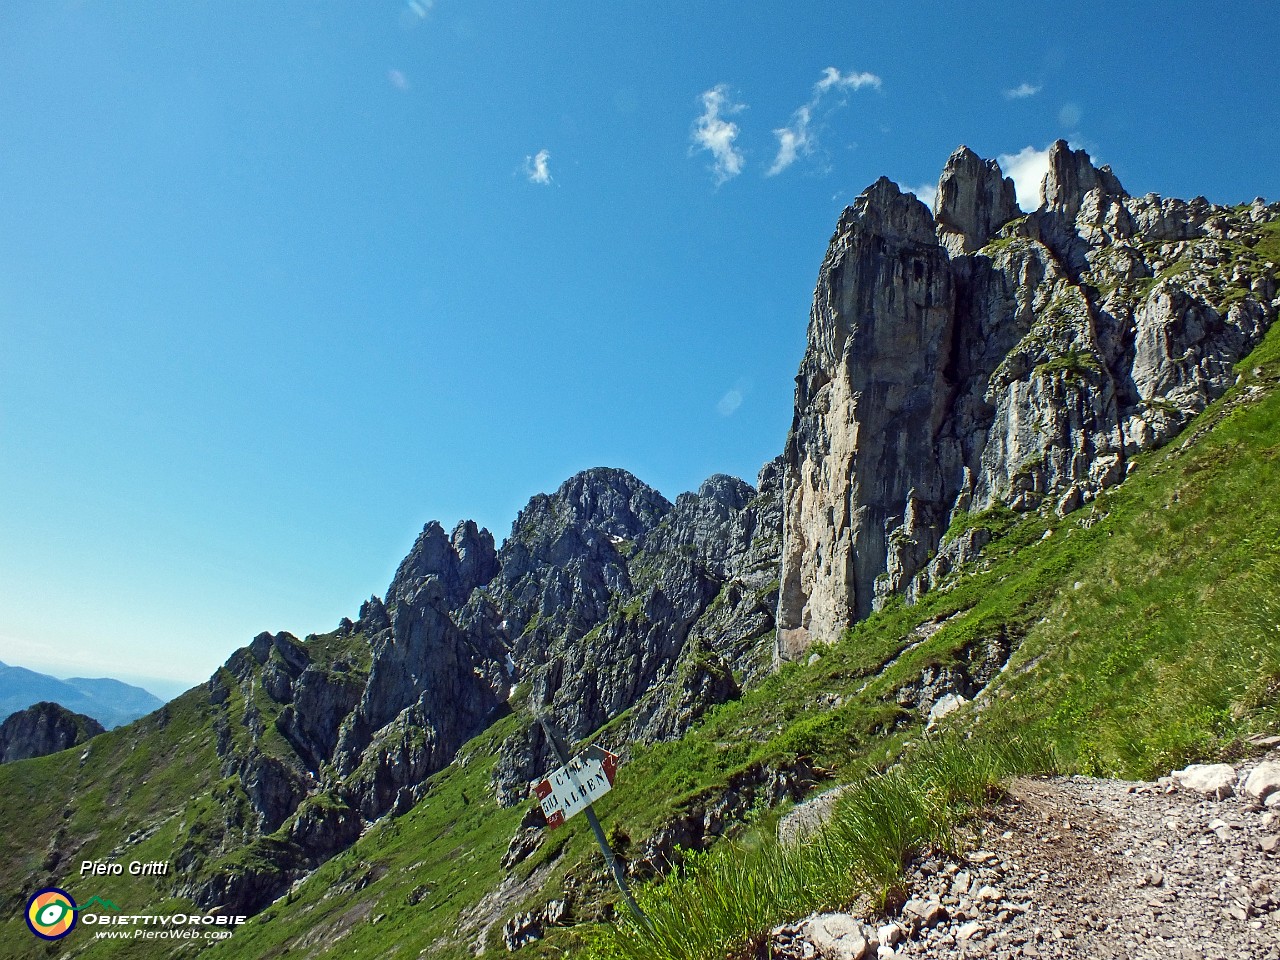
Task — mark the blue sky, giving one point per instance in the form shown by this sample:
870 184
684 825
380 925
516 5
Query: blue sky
280 282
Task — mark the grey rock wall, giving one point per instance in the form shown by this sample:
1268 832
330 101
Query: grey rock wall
976 357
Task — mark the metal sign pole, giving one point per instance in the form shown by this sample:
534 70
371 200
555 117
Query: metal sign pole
561 751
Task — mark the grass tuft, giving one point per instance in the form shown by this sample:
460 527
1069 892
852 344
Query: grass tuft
722 902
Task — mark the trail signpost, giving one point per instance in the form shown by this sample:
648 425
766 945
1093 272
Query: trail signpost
576 785
572 787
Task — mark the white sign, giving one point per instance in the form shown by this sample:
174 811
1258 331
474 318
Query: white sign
570 789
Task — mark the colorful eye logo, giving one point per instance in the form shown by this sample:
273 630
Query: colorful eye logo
51 913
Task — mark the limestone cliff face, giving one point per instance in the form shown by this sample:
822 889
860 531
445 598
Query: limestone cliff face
976 357
870 400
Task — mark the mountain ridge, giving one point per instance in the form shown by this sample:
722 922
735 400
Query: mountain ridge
635 620
111 702
975 357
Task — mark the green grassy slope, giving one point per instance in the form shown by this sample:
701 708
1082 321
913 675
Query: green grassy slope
137 781
1147 635
149 791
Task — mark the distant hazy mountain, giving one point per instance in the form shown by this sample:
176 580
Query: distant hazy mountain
110 702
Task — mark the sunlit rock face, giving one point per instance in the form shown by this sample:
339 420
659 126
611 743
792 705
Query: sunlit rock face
973 356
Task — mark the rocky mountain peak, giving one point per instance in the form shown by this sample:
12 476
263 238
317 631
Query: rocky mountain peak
730 493
974 200
1071 177
869 394
477 555
883 210
612 501
43 728
455 564
1005 361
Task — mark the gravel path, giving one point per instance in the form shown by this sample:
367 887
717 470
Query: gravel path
1083 868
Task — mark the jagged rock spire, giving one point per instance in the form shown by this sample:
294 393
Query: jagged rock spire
1072 175
974 201
867 395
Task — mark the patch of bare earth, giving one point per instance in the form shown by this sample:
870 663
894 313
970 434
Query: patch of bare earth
475 923
1085 868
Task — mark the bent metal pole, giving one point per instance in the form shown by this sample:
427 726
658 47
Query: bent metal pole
561 751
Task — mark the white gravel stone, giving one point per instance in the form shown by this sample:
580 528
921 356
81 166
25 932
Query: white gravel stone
838 936
1212 779
1264 781
890 934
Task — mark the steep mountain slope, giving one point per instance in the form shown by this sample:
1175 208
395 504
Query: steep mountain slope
289 751
979 358
364 791
108 701
1120 675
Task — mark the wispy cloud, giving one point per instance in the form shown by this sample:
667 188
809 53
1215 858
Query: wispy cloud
713 133
419 8
834 79
927 192
398 79
1070 115
1028 168
731 401
792 140
798 137
538 167
1021 92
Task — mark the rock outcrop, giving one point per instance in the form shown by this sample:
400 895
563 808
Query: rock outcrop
616 599
870 401
606 598
977 358
974 201
44 728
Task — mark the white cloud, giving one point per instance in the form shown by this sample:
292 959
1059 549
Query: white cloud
730 402
713 133
1069 115
398 79
831 77
1021 92
927 192
798 138
538 167
792 141
420 8
1028 168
